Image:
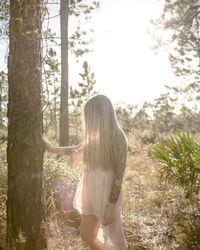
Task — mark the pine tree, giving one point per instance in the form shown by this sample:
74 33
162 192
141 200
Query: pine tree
25 209
179 30
180 25
85 87
78 96
75 8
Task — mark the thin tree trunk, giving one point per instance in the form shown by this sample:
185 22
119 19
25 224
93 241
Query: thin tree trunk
55 115
64 116
25 149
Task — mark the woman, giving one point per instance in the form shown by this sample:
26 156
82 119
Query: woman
98 196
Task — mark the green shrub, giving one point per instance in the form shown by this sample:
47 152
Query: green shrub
179 157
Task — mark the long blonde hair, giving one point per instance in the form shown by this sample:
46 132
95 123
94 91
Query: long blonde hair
102 133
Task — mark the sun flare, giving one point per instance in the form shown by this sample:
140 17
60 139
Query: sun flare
125 66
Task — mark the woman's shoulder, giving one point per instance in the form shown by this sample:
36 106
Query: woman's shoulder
121 143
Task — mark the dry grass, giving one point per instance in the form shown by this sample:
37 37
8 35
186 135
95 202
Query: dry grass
3 197
155 215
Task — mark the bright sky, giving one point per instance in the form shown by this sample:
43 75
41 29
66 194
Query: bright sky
125 67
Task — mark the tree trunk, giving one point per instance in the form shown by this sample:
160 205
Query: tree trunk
1 99
55 113
25 148
64 119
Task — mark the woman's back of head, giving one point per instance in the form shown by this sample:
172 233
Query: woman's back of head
102 133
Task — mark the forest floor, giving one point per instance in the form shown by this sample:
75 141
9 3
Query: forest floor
155 215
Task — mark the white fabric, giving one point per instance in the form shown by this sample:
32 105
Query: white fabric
92 196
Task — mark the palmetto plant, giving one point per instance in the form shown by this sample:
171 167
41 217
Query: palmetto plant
179 158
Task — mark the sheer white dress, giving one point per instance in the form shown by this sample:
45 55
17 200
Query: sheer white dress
92 196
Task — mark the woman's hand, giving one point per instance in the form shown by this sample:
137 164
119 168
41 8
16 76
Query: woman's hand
109 214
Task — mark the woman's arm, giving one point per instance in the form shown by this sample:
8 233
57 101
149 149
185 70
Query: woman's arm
120 165
62 150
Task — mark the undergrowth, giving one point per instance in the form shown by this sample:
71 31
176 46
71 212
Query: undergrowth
155 215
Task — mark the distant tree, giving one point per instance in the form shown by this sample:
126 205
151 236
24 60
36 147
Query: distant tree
79 95
141 118
163 112
64 117
142 123
189 118
125 114
51 91
179 33
187 108
25 148
85 87
181 21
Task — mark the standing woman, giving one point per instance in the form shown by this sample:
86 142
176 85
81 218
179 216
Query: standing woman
98 196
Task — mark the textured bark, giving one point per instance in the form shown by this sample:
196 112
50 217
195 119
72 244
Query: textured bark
64 120
25 148
1 99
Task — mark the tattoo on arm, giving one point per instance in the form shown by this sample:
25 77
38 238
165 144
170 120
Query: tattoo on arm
120 166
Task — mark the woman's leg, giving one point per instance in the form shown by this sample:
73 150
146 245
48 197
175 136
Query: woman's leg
116 233
89 230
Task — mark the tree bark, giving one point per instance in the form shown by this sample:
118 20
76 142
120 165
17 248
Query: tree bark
1 99
25 149
64 119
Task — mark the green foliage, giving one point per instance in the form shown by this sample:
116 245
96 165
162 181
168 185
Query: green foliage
163 111
125 116
179 33
79 7
58 167
85 87
51 91
80 37
179 157
57 172
180 21
78 96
